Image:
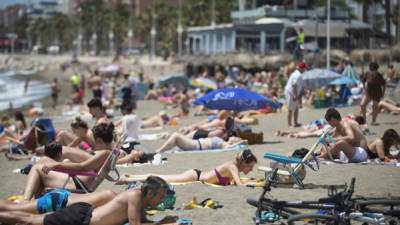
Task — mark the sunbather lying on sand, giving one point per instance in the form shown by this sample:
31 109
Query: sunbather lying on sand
390 106
57 199
222 175
41 177
127 206
188 144
161 120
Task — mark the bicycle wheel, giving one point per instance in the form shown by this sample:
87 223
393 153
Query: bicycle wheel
312 218
267 206
388 207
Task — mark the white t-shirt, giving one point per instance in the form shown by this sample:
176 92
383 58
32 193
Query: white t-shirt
130 127
294 79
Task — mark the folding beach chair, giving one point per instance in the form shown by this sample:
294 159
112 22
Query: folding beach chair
41 133
108 167
293 172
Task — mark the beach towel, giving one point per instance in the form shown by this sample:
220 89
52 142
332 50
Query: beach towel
256 183
368 162
233 148
125 165
152 137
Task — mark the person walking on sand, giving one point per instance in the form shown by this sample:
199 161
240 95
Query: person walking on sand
55 89
292 93
374 85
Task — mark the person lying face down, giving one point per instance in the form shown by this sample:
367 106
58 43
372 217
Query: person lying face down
128 206
224 174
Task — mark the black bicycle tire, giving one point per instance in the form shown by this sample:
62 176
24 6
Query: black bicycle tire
266 206
303 216
364 205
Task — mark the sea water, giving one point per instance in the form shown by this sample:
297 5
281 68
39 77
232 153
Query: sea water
12 89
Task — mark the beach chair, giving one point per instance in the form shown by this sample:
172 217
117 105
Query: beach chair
293 171
41 133
105 172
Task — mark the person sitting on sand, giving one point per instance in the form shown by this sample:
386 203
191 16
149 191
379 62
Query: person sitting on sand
188 144
129 124
223 174
57 199
380 147
41 177
81 135
127 206
351 143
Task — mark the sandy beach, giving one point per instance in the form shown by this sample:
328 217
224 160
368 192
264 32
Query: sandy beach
371 180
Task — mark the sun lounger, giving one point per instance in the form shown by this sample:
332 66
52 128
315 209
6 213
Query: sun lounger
298 164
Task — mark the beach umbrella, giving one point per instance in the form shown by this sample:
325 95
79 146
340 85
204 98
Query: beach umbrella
316 78
349 71
236 99
204 82
343 80
176 80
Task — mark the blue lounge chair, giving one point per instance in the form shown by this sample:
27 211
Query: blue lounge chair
287 161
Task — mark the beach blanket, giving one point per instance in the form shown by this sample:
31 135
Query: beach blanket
368 162
152 137
256 183
234 148
141 164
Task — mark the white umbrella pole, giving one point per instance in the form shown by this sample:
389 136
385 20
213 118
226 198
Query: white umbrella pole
328 35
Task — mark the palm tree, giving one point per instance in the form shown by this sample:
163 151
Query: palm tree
388 20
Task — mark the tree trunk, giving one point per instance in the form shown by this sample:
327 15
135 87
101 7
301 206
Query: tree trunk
388 21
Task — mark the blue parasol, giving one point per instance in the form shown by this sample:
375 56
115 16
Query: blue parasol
236 99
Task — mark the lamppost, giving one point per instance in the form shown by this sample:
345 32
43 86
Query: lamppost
180 29
153 34
111 39
328 36
130 31
94 35
79 40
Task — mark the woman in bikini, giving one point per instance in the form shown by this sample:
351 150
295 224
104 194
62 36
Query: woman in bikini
42 177
80 136
225 174
380 147
188 144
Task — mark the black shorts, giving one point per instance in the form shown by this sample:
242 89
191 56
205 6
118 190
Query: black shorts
200 134
76 214
97 93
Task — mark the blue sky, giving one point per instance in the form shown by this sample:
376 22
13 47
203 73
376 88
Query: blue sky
4 3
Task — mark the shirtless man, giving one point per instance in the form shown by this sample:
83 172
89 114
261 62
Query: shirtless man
350 144
96 110
129 206
94 83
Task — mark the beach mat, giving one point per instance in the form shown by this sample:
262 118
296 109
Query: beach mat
256 183
234 148
153 137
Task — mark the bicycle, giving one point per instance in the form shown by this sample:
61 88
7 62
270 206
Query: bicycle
338 208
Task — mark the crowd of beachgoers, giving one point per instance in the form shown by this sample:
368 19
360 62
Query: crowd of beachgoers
102 129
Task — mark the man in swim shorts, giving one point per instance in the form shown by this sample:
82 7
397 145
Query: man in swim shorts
351 144
129 206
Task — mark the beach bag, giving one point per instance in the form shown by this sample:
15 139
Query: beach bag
252 138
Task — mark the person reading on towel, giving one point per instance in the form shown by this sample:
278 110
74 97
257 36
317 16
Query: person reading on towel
128 206
187 144
41 177
224 174
351 144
